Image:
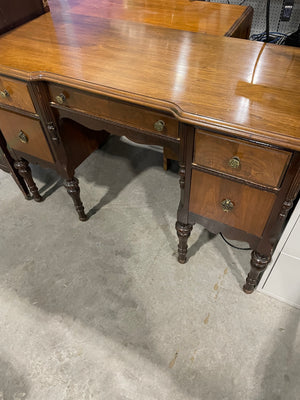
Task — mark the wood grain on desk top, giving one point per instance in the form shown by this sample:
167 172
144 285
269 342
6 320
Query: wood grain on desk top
187 15
233 85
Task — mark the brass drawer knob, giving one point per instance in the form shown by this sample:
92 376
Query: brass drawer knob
234 162
227 205
60 98
4 93
23 137
159 125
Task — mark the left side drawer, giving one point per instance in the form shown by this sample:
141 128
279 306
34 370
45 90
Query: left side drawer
24 134
15 93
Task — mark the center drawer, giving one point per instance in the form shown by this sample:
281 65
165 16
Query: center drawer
113 110
254 163
24 134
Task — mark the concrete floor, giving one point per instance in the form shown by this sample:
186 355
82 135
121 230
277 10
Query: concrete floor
102 309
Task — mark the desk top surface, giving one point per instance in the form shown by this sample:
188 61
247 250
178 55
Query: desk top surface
231 85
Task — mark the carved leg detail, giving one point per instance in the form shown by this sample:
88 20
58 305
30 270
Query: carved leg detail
24 170
258 265
165 162
74 191
183 233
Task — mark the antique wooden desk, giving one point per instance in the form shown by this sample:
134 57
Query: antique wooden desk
212 18
230 107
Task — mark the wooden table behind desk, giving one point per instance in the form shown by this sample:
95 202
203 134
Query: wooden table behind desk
194 16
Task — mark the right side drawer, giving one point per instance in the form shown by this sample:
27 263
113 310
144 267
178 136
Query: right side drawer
250 207
254 163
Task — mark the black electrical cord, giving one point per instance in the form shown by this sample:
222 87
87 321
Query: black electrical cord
232 245
274 37
268 21
228 2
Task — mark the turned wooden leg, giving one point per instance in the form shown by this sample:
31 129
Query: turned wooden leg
183 233
74 191
258 265
22 184
24 170
165 161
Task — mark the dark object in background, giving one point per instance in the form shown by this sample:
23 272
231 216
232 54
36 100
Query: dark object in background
16 12
293 39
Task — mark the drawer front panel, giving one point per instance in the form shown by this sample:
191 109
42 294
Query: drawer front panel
113 110
24 134
15 93
250 207
253 163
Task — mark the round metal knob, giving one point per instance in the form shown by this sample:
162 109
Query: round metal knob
227 205
159 125
234 162
4 93
23 137
60 98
